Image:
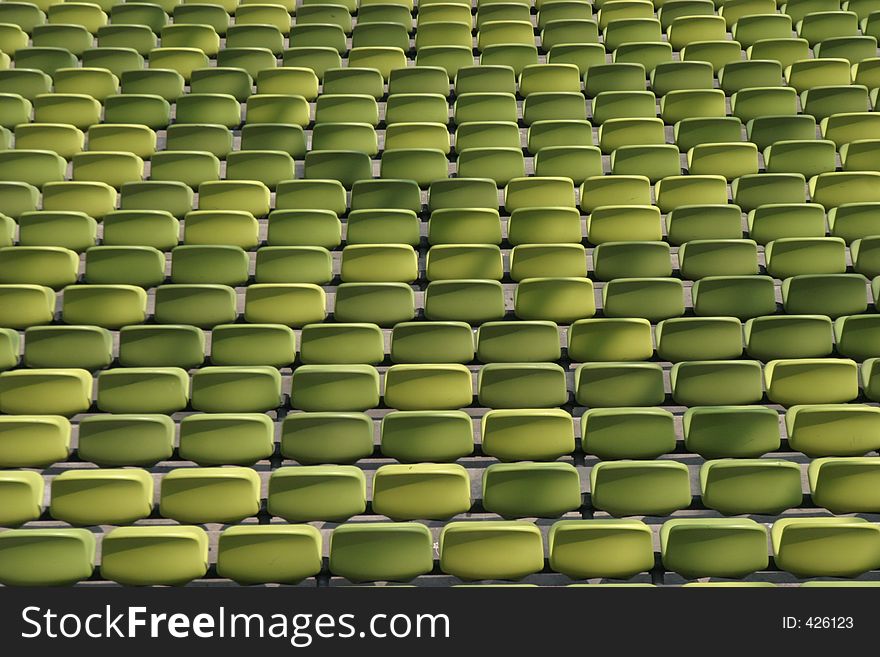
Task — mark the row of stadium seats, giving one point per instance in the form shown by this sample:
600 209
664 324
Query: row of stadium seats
245 389
468 550
315 438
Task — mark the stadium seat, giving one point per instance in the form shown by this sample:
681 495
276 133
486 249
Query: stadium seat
605 385
817 430
161 346
519 385
381 551
332 437
423 490
46 557
694 338
609 548
731 431
739 547
736 486
516 490
714 383
84 347
317 492
836 547
170 555
610 339
627 433
640 488
473 550
426 436
511 434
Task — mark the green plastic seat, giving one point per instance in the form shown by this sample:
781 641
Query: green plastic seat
109 306
518 385
611 384
127 265
327 344
335 387
559 299
317 492
418 80
719 382
138 556
836 547
609 548
292 304
166 83
327 437
473 550
627 488
843 485
22 494
544 225
822 429
209 494
293 264
84 347
736 76
856 336
63 392
627 433
294 552
792 381
319 228
610 339
469 300
225 265
696 338
731 431
236 389
631 259
143 390
457 261
26 305
618 76
34 167
426 436
381 551
515 490
786 220
423 490
755 486
161 346
513 434
678 191
627 132
834 295
53 267
64 139
253 344
649 298
739 547
94 497
434 341
547 260
428 387
612 190
153 198
791 336
792 256
752 191
701 258
864 254
33 441
743 297
623 104
203 305
224 439
46 557
622 223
